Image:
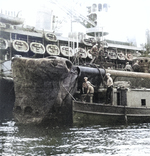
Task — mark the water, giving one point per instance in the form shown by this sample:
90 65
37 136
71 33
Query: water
131 140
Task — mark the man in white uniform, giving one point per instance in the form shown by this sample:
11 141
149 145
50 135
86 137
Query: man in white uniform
109 88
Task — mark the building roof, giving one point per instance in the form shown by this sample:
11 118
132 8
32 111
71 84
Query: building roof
124 47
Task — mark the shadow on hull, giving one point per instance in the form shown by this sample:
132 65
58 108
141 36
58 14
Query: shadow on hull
7 98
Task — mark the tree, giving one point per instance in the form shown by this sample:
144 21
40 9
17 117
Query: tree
147 46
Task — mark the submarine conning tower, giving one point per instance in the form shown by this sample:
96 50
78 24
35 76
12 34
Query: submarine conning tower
98 13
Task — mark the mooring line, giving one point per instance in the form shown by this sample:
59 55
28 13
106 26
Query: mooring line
69 93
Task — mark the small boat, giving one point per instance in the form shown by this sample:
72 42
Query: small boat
20 46
50 37
112 54
66 51
98 113
89 41
37 48
52 49
10 19
3 44
128 105
120 56
80 52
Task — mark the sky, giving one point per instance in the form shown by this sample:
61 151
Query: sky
132 18
127 18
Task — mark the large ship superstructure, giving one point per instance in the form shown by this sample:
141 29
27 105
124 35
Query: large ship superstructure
28 41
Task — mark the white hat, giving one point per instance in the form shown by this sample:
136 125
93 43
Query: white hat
108 74
85 77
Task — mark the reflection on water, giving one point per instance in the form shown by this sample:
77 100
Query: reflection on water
131 140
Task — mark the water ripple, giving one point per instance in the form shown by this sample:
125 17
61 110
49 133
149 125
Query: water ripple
75 141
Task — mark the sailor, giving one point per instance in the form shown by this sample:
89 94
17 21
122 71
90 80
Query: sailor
136 63
136 66
95 53
87 89
109 85
128 67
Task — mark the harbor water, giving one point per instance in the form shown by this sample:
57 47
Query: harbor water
120 140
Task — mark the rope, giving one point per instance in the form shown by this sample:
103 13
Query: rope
69 93
100 73
70 90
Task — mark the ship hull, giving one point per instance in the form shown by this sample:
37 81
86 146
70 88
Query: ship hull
96 113
7 98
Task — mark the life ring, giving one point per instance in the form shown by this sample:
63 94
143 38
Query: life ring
121 56
129 57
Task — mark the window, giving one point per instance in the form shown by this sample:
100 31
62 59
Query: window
94 6
143 102
105 7
99 7
146 60
118 98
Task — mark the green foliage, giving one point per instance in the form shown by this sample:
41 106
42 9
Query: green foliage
147 46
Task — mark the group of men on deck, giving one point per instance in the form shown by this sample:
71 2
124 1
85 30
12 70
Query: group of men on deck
88 88
95 54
